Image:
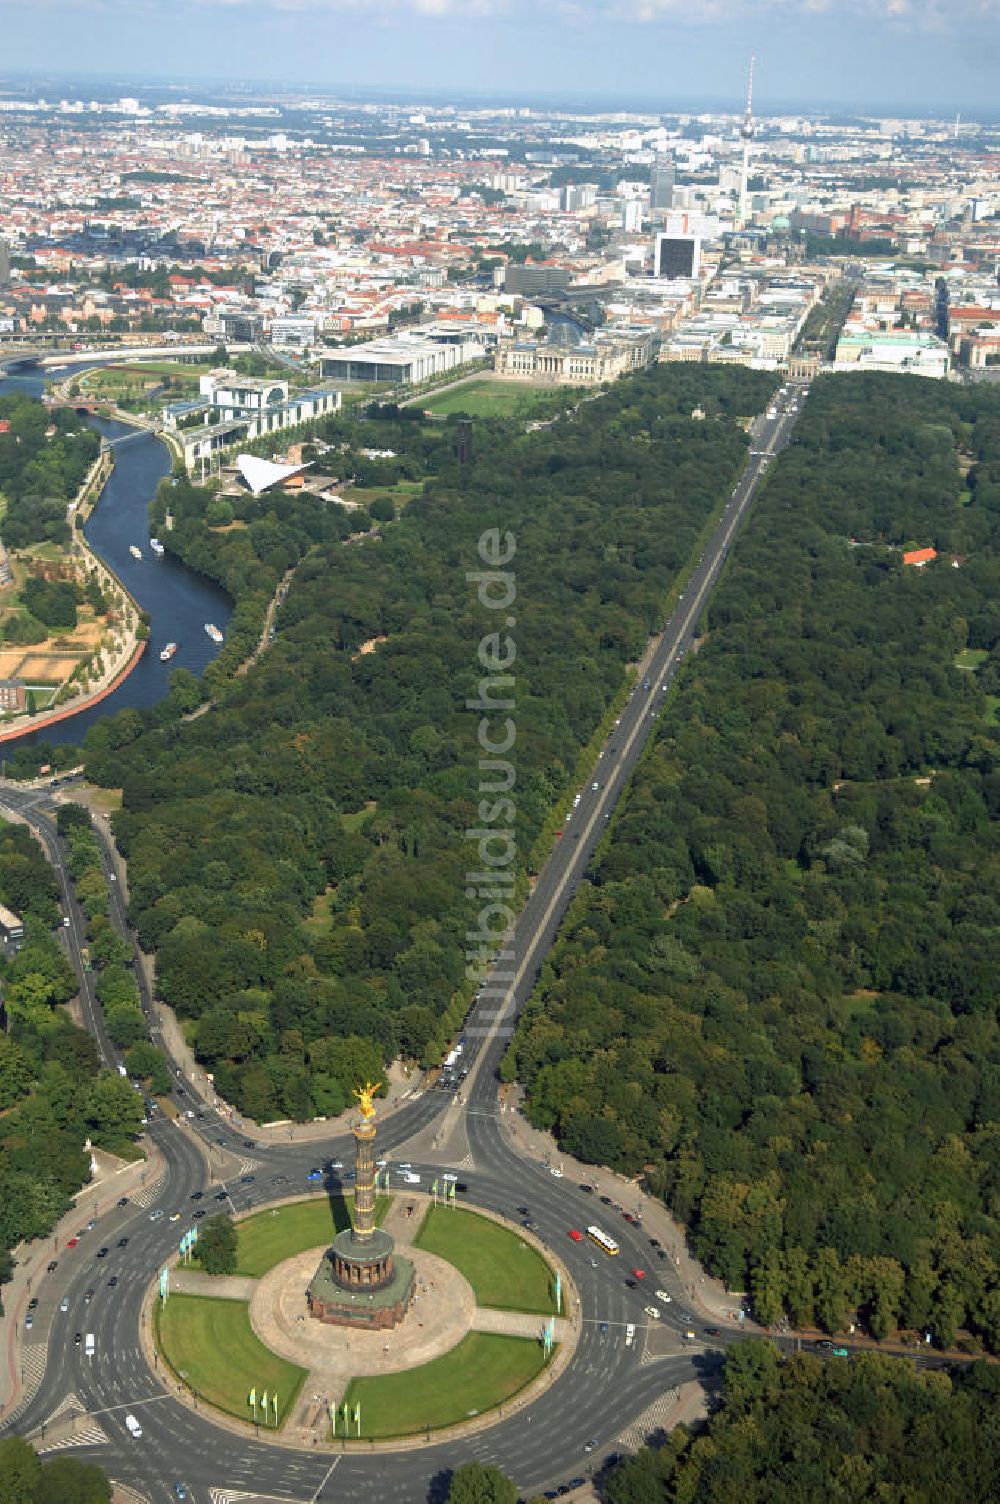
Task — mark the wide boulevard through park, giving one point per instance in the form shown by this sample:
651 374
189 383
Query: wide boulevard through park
570 1428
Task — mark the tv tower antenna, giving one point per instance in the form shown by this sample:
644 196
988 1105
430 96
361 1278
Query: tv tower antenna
746 134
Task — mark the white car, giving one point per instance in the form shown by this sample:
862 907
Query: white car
556 1172
629 1335
64 1303
652 1313
411 1178
662 1295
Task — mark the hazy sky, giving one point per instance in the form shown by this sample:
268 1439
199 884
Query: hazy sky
922 55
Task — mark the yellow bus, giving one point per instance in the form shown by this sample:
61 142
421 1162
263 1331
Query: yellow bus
602 1240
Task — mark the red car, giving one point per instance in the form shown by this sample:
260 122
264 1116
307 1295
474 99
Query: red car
639 1273
72 1242
576 1236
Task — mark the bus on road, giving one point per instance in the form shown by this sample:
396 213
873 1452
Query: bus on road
602 1240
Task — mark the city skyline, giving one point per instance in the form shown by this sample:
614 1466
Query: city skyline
878 56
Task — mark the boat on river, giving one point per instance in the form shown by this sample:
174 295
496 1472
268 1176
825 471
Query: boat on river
213 631
134 551
157 547
168 652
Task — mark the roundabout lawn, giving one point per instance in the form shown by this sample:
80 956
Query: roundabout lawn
504 1271
477 1375
212 1347
282 1231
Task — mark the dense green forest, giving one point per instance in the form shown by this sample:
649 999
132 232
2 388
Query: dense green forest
53 1095
829 1432
777 992
39 474
353 776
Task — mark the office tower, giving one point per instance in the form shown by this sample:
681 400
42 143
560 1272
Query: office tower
661 187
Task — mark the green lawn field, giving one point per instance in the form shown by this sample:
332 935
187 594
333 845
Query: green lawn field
211 1345
495 399
477 1375
270 1236
971 658
503 1270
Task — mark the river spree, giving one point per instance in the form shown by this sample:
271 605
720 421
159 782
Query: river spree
178 601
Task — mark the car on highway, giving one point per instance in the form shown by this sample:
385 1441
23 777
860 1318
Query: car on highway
595 785
175 1216
72 1242
334 1164
824 1345
113 1282
33 1306
555 1170
155 1216
88 1297
662 1295
247 1179
713 1331
78 1339
221 1196
606 1200
201 1212
652 1313
180 1492
53 1265
123 1201
29 1322
411 1177
629 1335
102 1253
315 1175
197 1195
278 1180
64 1303
576 1236
639 1273
123 1242
632 1284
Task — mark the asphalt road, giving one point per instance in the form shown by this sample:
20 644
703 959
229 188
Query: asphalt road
571 1428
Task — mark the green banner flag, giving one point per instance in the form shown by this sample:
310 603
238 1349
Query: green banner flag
357 1418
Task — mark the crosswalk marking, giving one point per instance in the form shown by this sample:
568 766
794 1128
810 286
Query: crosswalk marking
149 1193
90 1435
237 1496
653 1419
247 1167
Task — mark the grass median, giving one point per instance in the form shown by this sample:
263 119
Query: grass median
504 1271
283 1231
211 1347
478 1375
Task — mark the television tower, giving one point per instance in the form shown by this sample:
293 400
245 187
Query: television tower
746 134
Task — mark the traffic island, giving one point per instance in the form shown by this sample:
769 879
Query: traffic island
454 1364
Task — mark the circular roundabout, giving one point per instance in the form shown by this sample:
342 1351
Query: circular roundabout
480 1335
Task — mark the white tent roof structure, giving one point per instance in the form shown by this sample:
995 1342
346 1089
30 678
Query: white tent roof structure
261 475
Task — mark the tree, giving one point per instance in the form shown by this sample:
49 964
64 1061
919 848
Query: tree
145 1062
217 1246
65 1480
474 1483
20 1471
